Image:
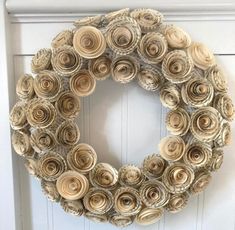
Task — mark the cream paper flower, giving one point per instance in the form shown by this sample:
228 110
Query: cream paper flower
65 37
74 207
216 161
96 217
116 14
24 87
120 220
88 21
177 202
225 135
50 190
149 216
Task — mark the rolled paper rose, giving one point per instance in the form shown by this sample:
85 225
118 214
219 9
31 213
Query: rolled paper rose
178 122
98 201
41 60
172 148
82 158
51 165
177 202
89 21
149 216
202 57
206 124
200 183
40 113
82 84
116 14
74 207
50 190
68 105
178 177
65 37
170 96
124 69
148 19
96 217
197 154
18 119
177 66
100 68
123 35
127 201
197 92
42 140
68 133
152 47
24 87
150 78
225 135
216 160
153 194
120 220
104 175
130 175
66 61
89 42
72 185
31 166
224 104
47 85
21 143
154 166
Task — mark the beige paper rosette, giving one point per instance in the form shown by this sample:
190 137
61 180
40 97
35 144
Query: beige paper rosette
206 124
127 201
17 117
98 201
148 19
216 160
178 122
42 140
65 37
170 96
88 21
82 158
89 42
66 61
24 87
177 202
149 216
104 175
100 68
200 183
31 166
150 78
40 113
202 57
68 133
153 194
154 166
51 165
74 207
68 105
197 154
116 14
41 60
123 35
172 148
177 66
130 175
96 217
225 135
50 190
47 85
124 69
152 47
197 92
120 220
82 84
178 177
72 185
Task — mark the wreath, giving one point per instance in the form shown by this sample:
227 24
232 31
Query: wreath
126 45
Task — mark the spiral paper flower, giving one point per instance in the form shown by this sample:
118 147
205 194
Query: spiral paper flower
178 177
225 135
50 190
96 217
51 165
149 216
24 87
177 66
68 134
124 69
89 21
82 84
120 220
216 160
116 14
202 57
63 38
178 122
72 185
82 158
172 148
74 207
31 166
66 61
123 35
177 202
98 201
152 47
